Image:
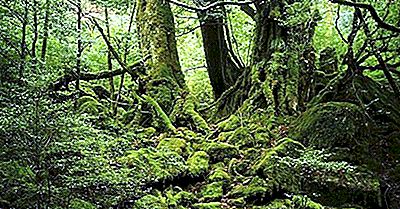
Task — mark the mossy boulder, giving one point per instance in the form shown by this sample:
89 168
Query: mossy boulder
340 127
218 151
152 165
151 202
212 191
253 188
198 163
172 144
219 174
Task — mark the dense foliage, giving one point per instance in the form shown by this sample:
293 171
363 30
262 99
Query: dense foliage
199 104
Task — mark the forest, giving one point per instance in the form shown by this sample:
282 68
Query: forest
200 104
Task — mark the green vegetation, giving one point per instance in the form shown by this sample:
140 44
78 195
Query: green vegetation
179 104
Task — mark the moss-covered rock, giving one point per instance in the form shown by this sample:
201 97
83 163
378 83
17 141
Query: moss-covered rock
253 188
212 191
336 126
153 165
151 202
218 151
219 174
172 144
181 199
198 163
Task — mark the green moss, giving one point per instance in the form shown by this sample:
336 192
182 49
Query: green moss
212 191
179 199
209 205
164 117
219 174
150 164
283 146
151 202
238 202
219 151
172 144
230 123
337 126
198 163
184 114
297 201
256 187
81 204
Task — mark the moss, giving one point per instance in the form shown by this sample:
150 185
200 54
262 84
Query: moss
151 202
198 163
219 151
209 205
184 114
160 112
283 146
179 199
88 104
255 187
337 126
151 165
172 144
81 204
212 191
237 203
296 201
219 174
230 123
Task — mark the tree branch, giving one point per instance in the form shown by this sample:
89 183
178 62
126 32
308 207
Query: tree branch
373 12
249 11
211 6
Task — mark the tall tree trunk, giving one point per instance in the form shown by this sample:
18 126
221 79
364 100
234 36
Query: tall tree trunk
109 58
35 28
23 38
45 31
222 64
163 80
79 43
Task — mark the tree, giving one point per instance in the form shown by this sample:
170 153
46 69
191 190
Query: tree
223 65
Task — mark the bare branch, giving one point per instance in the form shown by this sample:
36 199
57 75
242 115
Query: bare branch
373 12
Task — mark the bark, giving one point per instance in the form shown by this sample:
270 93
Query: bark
282 65
79 43
109 56
163 79
45 31
23 38
35 28
222 64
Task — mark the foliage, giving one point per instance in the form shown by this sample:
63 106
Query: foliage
108 104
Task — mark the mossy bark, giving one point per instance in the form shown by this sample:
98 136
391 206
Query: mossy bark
163 79
283 64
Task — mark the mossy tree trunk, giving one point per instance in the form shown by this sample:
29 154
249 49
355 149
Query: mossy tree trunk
163 79
283 63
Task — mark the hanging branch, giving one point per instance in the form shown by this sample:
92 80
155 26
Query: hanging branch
372 11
